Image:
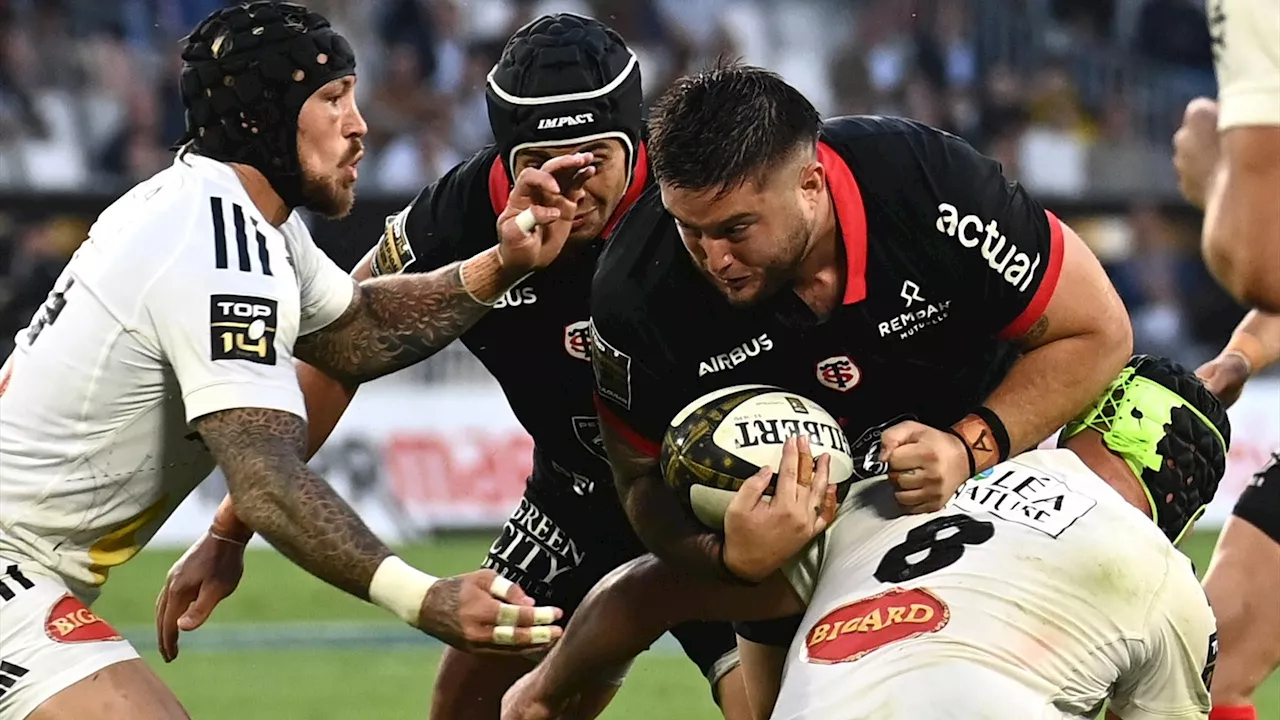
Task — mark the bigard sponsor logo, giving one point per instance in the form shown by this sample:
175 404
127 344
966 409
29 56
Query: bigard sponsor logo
1002 255
71 622
851 631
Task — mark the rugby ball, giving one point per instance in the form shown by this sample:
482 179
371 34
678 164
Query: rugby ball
726 436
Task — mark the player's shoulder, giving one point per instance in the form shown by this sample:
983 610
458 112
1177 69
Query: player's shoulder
850 133
153 222
643 264
885 146
451 219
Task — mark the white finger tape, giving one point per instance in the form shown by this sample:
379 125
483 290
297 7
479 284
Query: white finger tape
541 635
504 635
508 614
544 615
526 221
500 587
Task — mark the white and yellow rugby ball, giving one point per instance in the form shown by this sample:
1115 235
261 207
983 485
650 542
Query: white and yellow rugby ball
726 436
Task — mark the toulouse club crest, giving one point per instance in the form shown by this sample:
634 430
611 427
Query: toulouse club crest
577 340
839 373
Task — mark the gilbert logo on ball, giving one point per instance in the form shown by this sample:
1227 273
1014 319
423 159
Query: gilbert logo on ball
726 436
851 631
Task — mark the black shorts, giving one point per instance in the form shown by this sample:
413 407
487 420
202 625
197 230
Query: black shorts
559 543
1259 504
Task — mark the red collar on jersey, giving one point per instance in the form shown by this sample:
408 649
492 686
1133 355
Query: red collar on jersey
500 189
847 199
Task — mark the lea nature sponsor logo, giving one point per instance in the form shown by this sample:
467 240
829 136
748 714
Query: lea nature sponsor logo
1003 256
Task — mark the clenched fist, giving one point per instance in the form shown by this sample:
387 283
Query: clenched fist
1195 150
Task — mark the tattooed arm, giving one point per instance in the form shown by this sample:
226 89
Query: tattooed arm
394 322
261 452
1070 353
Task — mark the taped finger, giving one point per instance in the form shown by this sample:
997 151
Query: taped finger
500 585
508 636
508 614
526 222
545 615
504 635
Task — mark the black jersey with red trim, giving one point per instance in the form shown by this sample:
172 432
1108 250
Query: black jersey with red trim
947 261
535 340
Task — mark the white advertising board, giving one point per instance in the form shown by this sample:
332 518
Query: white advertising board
412 459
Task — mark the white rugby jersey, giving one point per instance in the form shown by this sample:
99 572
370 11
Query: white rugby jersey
1038 592
1246 52
183 301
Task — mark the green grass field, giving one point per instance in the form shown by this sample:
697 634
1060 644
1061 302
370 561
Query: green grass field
287 647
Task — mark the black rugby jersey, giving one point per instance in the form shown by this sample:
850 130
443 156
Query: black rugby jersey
946 262
535 340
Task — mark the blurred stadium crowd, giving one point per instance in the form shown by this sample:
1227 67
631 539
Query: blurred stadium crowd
1078 99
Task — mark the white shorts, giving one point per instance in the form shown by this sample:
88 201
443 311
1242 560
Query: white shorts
49 641
917 688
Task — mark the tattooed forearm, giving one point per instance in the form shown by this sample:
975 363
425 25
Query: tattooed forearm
399 320
392 323
261 451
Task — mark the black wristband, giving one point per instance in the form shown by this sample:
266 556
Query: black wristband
968 451
998 430
730 575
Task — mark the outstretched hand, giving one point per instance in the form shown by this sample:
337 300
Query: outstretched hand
533 228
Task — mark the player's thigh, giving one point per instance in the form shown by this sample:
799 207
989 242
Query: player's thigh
713 647
472 686
58 656
127 689
1245 570
1242 582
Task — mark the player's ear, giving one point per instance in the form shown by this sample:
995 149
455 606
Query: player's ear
813 180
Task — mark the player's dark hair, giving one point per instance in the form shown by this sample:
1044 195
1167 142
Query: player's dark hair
726 126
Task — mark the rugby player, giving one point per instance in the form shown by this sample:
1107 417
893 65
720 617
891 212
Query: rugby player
883 268
1039 591
1244 574
166 347
564 84
1227 155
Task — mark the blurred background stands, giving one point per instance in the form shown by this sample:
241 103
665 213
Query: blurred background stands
1077 98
